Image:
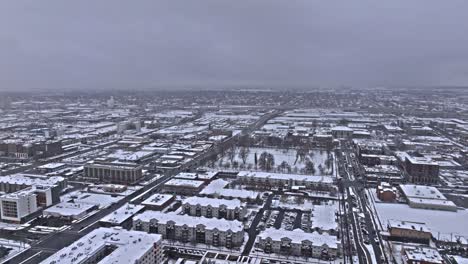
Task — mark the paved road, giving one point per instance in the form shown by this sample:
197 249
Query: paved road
56 241
252 231
352 181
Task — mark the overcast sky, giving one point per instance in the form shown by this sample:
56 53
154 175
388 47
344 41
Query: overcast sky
105 44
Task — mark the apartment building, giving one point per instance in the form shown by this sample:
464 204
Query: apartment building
299 243
267 180
214 208
184 228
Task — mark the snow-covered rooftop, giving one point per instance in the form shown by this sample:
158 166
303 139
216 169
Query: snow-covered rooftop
204 201
122 214
298 235
281 176
129 247
157 199
192 221
216 187
184 183
24 179
68 209
408 225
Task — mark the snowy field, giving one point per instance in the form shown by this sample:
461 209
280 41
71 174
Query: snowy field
289 156
441 223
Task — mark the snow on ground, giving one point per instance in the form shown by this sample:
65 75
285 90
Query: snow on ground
11 226
441 223
293 202
288 155
15 246
371 252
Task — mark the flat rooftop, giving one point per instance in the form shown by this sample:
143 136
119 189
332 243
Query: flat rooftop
122 214
184 183
129 246
69 209
408 225
157 199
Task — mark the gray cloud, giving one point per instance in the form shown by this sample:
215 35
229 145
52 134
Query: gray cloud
55 44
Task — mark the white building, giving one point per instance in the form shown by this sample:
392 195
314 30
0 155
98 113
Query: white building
111 245
211 231
268 180
16 206
122 216
217 208
70 210
342 132
426 197
299 243
217 189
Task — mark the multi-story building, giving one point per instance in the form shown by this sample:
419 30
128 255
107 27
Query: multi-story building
24 149
409 231
112 245
47 189
386 192
267 180
114 172
421 170
16 206
342 132
299 243
184 228
217 208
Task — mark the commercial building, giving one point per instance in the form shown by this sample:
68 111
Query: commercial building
184 228
70 210
217 208
112 245
114 172
16 206
25 148
426 197
184 186
421 170
122 216
299 243
342 132
421 255
158 201
409 231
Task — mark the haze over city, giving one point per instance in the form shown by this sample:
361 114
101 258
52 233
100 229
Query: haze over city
57 45
233 132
